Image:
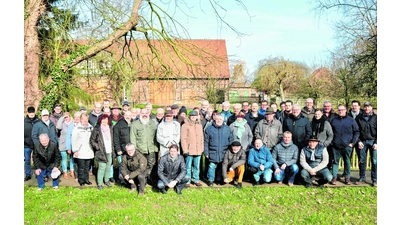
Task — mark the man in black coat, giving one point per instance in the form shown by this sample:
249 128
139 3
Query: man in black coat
29 121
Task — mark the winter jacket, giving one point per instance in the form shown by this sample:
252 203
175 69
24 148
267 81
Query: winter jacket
54 117
40 127
192 137
273 129
246 138
326 136
309 114
253 121
121 135
133 165
285 154
46 157
321 158
260 156
168 132
62 127
81 141
93 117
143 137
300 127
28 125
169 170
226 115
345 130
368 129
98 146
233 160
216 141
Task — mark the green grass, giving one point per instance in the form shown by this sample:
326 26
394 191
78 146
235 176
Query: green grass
250 205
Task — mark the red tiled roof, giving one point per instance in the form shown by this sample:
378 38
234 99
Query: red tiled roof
179 59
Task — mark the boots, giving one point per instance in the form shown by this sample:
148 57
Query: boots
71 173
65 175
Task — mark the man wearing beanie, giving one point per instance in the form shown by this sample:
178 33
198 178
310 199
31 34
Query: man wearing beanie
29 121
233 164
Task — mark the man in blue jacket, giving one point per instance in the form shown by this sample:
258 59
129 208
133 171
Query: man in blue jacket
346 133
260 161
217 139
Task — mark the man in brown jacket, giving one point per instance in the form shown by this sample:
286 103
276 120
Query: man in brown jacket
133 169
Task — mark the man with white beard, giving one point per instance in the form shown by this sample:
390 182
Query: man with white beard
143 132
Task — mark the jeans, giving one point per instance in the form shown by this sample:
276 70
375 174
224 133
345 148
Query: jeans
64 160
324 176
213 172
266 173
27 158
362 160
180 185
104 170
119 159
292 170
337 154
43 174
193 164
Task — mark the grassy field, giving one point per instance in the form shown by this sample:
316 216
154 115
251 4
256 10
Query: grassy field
250 205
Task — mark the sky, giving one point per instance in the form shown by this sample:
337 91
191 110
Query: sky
287 29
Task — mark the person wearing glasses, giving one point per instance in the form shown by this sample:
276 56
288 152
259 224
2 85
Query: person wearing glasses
345 136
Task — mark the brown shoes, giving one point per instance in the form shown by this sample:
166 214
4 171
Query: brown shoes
71 173
290 184
187 185
198 184
359 182
333 181
347 181
65 175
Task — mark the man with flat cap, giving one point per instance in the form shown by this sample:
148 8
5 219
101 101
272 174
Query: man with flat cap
314 160
233 164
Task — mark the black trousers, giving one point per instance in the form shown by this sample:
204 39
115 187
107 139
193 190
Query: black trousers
83 170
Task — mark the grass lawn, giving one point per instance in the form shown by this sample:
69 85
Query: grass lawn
250 205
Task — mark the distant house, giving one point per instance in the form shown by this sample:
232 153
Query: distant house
164 72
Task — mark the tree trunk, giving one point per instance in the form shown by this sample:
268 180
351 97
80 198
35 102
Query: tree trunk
32 94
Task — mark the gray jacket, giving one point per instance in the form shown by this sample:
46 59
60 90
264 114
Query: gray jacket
273 130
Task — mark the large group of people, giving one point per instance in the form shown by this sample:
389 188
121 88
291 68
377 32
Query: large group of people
255 142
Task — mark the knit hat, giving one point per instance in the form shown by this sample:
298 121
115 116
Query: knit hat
182 110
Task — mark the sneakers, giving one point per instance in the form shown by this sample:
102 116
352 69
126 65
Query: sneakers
72 174
65 175
333 181
290 184
280 182
56 188
198 184
100 187
347 181
375 183
39 189
360 181
90 173
27 177
108 184
210 183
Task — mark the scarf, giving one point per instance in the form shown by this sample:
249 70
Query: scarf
312 158
106 131
172 159
317 125
240 126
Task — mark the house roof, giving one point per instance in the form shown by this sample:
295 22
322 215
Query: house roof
175 59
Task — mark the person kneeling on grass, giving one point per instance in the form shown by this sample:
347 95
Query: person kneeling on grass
314 160
172 171
46 159
260 162
233 164
134 168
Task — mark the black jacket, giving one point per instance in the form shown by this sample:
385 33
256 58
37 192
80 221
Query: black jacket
97 143
28 124
368 129
44 158
122 132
